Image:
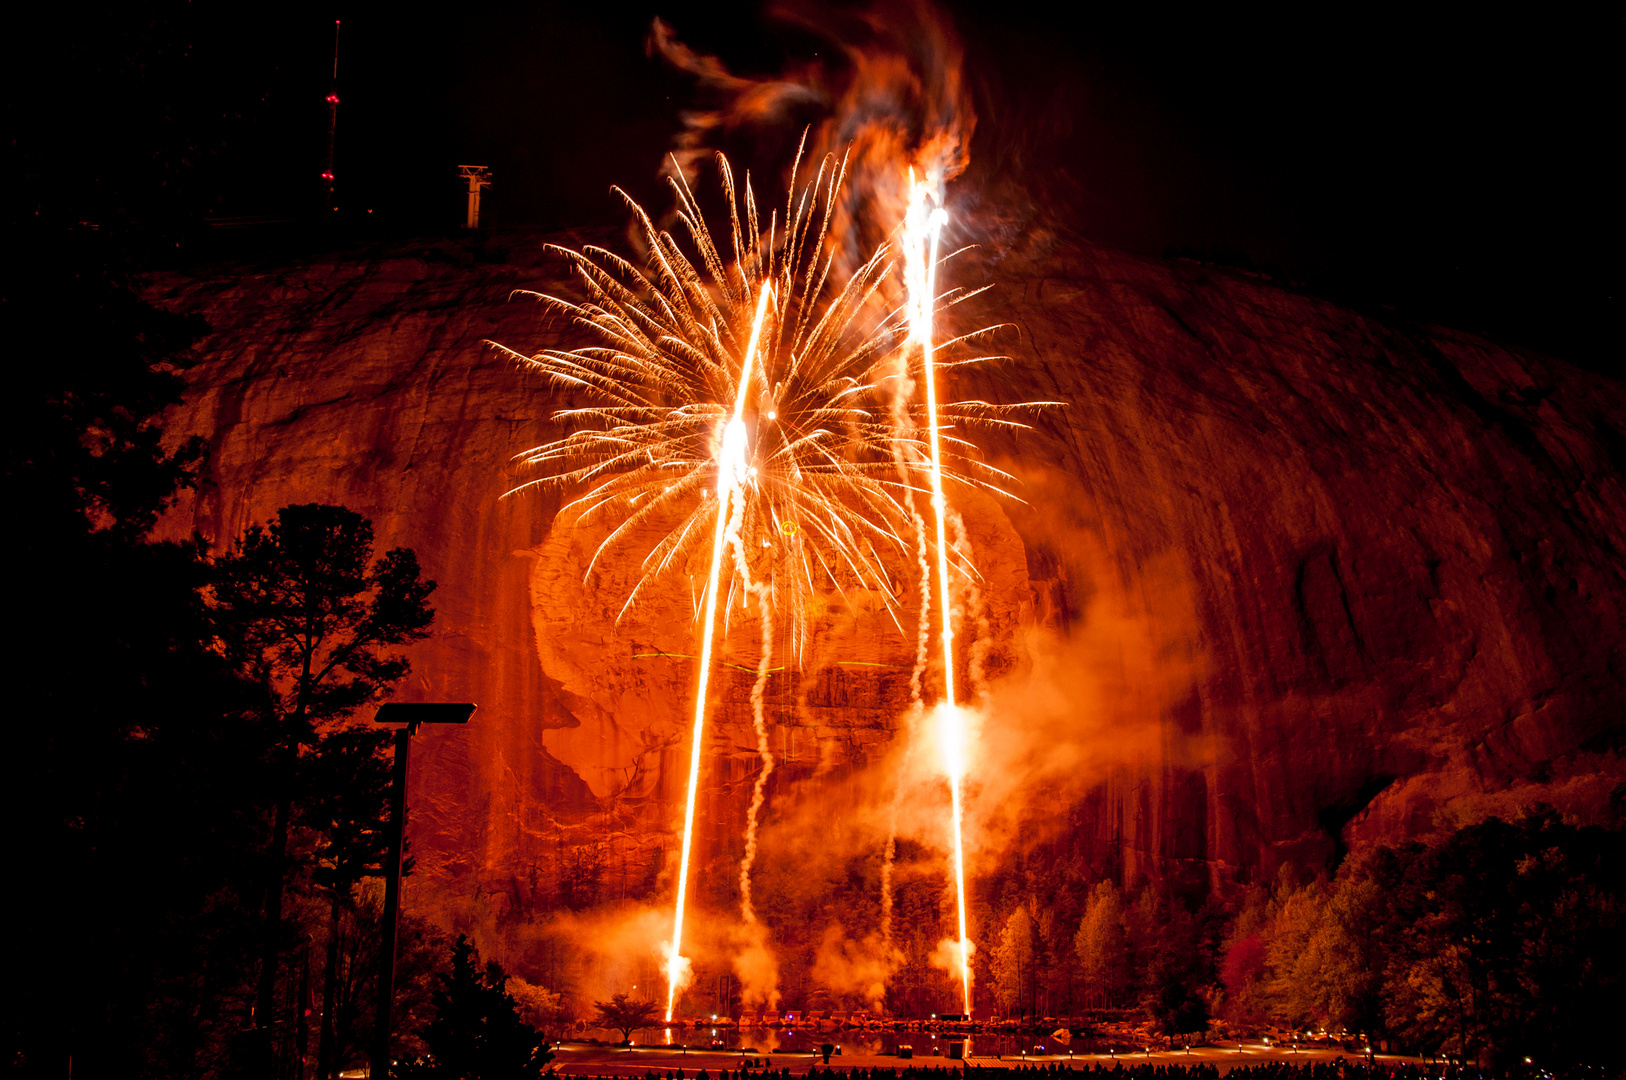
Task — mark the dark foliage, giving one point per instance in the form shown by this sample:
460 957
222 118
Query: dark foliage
345 786
135 769
141 773
477 1033
347 781
350 984
307 610
1175 971
1505 940
625 1016
306 613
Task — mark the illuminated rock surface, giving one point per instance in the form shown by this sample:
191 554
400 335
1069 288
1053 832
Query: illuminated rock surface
1285 575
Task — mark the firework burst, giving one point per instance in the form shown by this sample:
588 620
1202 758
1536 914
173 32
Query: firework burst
822 497
755 398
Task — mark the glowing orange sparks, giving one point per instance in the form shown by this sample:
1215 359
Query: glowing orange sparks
951 741
732 471
923 226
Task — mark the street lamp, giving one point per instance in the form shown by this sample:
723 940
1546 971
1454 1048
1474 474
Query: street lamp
408 715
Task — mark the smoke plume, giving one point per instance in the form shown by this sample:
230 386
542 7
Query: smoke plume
756 966
946 957
888 95
855 970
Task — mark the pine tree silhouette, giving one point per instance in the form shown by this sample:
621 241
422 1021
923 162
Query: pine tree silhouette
477 1033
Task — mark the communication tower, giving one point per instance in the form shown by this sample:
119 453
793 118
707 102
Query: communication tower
478 176
332 118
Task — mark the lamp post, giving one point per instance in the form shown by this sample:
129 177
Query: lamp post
408 715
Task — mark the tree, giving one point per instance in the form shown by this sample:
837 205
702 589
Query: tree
1059 968
581 875
477 1033
1244 964
1173 960
1290 977
140 760
625 1016
1503 938
347 785
1241 966
422 955
537 1004
1015 961
1102 949
1346 956
306 611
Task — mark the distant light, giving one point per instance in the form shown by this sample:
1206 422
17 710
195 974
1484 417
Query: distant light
333 99
327 176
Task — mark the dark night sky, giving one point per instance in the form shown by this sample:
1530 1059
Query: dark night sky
1459 166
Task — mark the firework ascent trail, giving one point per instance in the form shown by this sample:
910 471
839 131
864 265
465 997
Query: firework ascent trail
731 476
923 226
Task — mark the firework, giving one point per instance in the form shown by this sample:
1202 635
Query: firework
732 475
922 232
748 397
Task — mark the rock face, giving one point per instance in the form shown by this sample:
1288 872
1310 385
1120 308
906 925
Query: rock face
1279 578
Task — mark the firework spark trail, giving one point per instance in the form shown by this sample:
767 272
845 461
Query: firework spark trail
731 477
921 329
923 229
902 444
759 721
762 592
973 609
952 734
903 425
676 964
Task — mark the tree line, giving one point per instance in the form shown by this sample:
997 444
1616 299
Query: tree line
1489 943
195 793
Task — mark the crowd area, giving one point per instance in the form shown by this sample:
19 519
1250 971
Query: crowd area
1336 1069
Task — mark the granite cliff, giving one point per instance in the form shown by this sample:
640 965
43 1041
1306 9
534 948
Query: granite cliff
1281 578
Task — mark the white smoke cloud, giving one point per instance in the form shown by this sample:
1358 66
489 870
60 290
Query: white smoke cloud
855 970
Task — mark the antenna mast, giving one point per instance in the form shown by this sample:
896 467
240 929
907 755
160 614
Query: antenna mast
478 176
332 118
